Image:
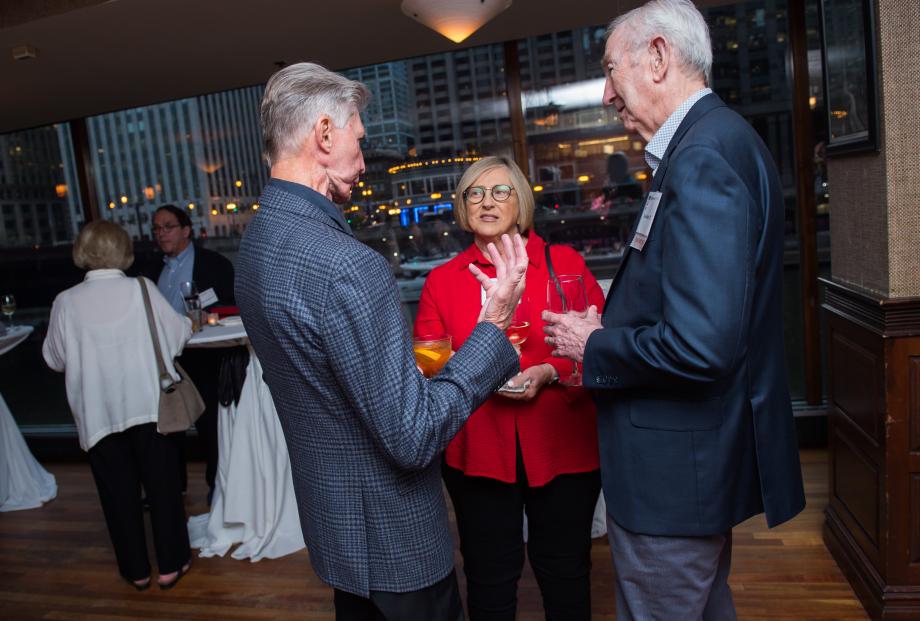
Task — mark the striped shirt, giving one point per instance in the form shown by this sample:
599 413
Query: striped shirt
657 146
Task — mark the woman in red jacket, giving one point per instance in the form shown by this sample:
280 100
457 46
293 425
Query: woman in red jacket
533 452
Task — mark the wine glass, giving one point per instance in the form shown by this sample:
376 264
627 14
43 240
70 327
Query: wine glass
188 289
8 307
519 329
192 306
566 294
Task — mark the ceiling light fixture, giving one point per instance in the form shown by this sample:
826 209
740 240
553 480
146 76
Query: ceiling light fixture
455 19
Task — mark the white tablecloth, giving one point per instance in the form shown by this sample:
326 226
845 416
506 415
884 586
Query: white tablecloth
24 484
253 503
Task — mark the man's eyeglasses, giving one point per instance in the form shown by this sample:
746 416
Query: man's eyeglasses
475 194
166 228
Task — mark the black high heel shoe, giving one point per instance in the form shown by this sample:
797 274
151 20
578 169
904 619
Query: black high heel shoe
165 586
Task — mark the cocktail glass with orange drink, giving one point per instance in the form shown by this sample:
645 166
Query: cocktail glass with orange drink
431 353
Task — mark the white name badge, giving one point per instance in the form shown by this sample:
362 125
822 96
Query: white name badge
645 222
206 298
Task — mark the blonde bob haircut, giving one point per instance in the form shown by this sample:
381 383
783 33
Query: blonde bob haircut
103 245
518 181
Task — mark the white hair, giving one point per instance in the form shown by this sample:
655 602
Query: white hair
678 21
296 97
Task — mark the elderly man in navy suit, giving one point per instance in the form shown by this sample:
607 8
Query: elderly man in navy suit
686 361
364 428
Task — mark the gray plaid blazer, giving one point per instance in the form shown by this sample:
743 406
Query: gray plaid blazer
364 429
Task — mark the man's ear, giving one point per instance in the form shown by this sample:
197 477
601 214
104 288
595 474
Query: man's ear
322 134
659 57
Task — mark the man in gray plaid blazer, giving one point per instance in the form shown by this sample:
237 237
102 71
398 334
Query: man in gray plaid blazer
364 428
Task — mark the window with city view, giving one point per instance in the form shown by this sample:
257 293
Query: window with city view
429 118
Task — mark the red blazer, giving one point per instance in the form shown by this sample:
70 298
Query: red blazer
557 429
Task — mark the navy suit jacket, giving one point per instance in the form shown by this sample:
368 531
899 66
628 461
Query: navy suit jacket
694 416
364 428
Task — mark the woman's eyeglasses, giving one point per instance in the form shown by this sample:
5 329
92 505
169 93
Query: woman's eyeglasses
475 194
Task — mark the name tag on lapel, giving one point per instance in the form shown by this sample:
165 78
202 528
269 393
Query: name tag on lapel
645 222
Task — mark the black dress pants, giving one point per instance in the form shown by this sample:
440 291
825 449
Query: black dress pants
438 602
490 520
121 463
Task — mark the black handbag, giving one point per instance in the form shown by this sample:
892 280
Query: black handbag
180 402
232 376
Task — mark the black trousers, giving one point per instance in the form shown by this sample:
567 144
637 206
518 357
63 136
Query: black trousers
121 463
490 520
438 602
203 367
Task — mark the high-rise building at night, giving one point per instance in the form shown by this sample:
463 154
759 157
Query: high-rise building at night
146 157
202 154
232 145
460 100
388 121
38 201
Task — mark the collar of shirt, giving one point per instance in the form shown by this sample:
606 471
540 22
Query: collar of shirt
180 259
657 146
473 254
103 273
314 198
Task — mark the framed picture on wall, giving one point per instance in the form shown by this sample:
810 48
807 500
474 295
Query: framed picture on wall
850 75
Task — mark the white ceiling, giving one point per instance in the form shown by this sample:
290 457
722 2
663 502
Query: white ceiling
126 53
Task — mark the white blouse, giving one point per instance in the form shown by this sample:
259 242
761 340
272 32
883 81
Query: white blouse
99 337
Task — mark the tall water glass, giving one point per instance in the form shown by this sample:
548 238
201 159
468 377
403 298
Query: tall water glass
566 294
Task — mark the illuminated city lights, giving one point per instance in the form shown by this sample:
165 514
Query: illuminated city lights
439 162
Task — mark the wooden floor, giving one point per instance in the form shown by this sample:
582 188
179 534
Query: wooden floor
56 563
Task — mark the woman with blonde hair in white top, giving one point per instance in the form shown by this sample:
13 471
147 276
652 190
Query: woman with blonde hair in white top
100 338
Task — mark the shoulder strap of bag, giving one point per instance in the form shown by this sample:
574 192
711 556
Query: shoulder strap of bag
166 379
552 275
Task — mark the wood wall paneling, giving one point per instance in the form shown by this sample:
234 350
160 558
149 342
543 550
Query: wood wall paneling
913 402
873 514
855 387
856 486
915 519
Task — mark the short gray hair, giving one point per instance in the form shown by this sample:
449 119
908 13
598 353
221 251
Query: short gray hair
296 97
103 245
678 21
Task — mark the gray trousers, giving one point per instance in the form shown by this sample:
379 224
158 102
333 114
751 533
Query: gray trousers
667 578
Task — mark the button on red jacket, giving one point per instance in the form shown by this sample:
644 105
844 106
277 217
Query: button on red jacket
557 429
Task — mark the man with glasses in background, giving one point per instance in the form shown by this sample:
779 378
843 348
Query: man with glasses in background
212 273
